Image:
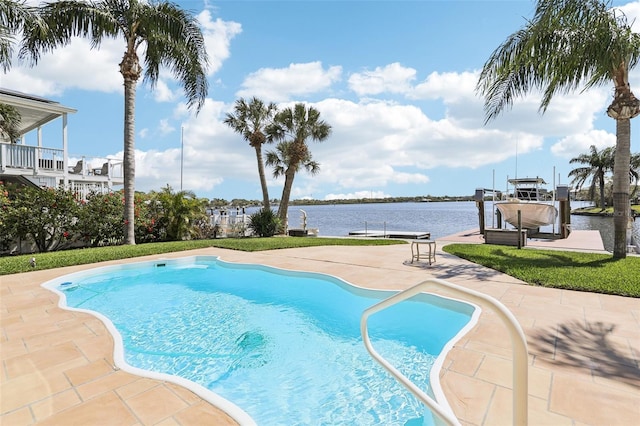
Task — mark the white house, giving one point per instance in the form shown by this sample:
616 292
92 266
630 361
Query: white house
49 163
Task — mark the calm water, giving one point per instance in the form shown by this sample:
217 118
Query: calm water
284 346
438 218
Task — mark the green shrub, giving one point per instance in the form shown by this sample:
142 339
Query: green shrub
46 217
180 211
7 227
264 223
100 219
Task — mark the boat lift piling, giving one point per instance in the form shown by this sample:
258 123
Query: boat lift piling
479 199
562 195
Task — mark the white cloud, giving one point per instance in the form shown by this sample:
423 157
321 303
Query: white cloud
632 11
392 78
279 85
567 113
392 136
577 144
60 70
164 127
217 37
453 87
162 92
157 169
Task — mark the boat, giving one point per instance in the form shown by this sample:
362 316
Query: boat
527 198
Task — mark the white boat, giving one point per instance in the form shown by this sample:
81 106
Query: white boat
526 199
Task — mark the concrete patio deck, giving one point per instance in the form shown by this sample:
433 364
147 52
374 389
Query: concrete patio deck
584 348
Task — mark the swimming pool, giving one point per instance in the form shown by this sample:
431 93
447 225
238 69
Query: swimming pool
284 346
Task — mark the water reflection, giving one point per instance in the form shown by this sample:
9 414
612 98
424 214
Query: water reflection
604 225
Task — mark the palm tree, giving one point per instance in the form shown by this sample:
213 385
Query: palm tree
283 160
171 38
250 120
570 43
634 172
598 163
9 123
13 15
292 127
181 211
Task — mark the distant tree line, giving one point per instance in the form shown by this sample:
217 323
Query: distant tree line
416 199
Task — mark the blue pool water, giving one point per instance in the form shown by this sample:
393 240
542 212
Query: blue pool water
283 346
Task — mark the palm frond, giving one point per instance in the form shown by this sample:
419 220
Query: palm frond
59 22
174 40
250 119
567 45
14 15
10 119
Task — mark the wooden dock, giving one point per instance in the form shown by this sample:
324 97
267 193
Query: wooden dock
374 233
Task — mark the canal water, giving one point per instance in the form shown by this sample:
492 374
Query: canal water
438 218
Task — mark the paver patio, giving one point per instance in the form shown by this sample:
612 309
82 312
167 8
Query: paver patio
584 348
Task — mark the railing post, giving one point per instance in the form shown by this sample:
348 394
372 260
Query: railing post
37 155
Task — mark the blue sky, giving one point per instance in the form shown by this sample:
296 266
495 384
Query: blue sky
394 79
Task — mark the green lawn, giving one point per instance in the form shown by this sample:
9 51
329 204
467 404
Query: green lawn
57 259
598 273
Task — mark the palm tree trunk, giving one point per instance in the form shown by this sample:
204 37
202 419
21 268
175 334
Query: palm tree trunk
263 179
129 160
621 187
286 193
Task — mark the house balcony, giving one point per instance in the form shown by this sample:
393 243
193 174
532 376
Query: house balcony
45 167
29 160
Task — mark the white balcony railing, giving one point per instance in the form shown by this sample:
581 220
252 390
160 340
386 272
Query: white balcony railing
28 157
17 157
45 168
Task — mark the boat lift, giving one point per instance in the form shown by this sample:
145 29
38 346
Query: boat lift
561 195
479 199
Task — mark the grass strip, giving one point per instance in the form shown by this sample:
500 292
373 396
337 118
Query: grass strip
594 272
57 259
607 211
